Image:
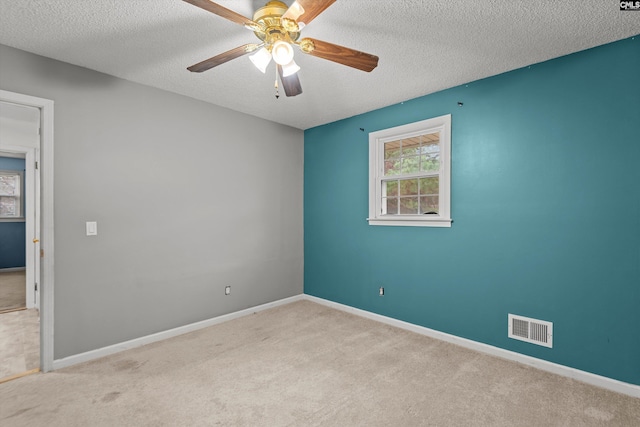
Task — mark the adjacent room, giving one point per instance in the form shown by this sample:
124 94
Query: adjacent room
319 213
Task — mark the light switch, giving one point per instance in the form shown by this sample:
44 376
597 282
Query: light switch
92 228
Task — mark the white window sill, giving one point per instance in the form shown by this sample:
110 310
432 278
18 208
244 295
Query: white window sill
13 219
410 221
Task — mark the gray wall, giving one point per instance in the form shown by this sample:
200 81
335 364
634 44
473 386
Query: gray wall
189 197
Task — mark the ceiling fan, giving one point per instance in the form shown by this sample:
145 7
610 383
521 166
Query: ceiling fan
278 29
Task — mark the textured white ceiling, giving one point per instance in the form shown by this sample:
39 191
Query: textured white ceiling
424 46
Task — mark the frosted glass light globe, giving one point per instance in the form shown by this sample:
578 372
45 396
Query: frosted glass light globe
282 52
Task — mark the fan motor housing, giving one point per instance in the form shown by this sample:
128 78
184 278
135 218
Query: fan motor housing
270 16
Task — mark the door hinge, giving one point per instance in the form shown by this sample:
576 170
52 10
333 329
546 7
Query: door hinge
36 286
41 253
36 165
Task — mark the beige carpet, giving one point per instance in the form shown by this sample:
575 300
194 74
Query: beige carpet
19 342
307 365
12 290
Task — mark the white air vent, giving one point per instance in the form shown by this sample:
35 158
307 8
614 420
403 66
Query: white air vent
531 330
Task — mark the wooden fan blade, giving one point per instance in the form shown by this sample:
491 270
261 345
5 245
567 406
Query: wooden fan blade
222 11
290 84
222 58
343 55
312 8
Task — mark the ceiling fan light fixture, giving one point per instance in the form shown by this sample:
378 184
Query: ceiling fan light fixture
290 69
261 59
282 52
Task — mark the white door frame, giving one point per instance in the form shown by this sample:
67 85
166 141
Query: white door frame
46 279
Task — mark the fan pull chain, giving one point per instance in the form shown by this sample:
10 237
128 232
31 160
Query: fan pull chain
276 85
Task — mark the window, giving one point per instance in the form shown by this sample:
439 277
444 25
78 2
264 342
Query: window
10 195
410 174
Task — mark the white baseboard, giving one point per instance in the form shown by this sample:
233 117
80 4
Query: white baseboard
138 342
10 269
565 371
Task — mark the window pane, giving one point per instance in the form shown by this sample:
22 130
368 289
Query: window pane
431 143
408 205
391 205
429 204
391 187
411 146
409 187
9 185
8 206
430 162
392 150
410 164
429 185
392 167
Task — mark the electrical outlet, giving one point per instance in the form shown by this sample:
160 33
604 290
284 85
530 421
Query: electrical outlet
381 291
227 290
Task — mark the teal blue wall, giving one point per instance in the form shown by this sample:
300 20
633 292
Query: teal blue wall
546 209
12 234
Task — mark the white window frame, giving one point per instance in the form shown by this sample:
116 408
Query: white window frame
19 196
377 139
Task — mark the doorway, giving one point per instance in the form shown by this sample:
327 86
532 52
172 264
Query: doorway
19 314
33 140
13 223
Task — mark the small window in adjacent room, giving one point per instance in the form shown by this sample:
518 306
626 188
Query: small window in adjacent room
10 195
410 174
